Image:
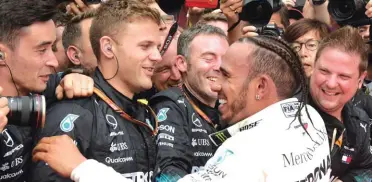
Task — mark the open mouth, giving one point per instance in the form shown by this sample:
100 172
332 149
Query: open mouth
330 93
149 70
222 101
212 79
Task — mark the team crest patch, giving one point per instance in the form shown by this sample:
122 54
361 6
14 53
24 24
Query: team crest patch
67 124
162 114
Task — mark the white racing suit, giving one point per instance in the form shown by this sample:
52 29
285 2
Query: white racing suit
271 145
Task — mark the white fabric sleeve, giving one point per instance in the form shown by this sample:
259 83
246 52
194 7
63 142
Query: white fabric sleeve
93 171
238 163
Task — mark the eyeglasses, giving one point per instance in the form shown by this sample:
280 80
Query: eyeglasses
311 45
168 19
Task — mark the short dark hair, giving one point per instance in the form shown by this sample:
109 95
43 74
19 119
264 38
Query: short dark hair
61 18
275 58
114 13
188 35
15 15
210 17
72 30
346 39
303 26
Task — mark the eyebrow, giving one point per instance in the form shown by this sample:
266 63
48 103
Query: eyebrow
44 43
208 53
304 41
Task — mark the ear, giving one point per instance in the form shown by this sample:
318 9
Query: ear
73 55
361 79
262 86
181 63
106 46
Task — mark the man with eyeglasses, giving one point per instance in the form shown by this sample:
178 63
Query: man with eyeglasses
304 37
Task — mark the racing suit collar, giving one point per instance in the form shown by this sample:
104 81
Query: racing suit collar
279 111
211 112
126 104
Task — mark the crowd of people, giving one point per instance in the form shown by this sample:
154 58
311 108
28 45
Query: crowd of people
136 92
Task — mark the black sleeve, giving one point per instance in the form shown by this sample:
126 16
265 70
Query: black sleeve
64 118
367 102
173 155
363 171
50 91
15 153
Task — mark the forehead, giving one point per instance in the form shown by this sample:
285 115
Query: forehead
209 43
313 35
140 30
339 60
237 58
38 32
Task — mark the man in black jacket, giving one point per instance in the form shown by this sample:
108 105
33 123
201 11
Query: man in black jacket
187 113
109 126
340 66
27 62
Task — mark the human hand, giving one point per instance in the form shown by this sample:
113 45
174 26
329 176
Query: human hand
75 85
50 150
4 110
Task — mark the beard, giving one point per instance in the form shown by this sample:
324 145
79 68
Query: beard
240 103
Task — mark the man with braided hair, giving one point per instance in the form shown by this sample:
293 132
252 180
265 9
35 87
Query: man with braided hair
266 76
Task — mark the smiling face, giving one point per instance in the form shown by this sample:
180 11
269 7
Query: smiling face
335 79
33 60
235 92
166 73
206 53
138 53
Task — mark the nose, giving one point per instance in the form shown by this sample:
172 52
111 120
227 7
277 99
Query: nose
331 82
52 60
155 56
303 51
217 64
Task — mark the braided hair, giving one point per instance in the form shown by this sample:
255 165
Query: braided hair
269 45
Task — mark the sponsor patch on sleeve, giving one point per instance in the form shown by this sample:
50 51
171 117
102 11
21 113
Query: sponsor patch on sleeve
162 114
67 124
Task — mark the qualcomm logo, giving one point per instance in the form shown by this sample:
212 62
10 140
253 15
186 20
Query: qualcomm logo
67 124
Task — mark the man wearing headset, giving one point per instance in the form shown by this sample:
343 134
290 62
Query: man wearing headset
109 126
27 33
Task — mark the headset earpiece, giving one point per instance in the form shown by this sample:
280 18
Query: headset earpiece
108 47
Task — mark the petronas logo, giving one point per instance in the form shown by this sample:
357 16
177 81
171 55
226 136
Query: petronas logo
221 136
162 114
